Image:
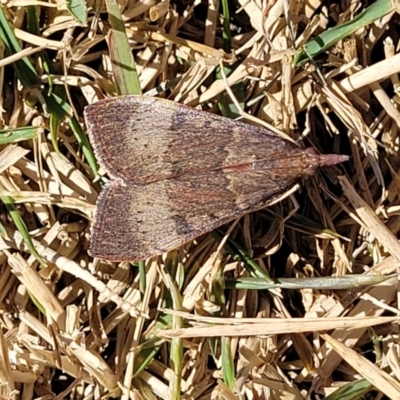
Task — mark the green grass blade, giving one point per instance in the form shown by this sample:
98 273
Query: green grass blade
239 254
326 39
60 109
53 126
20 224
123 64
324 282
352 391
32 26
3 231
56 105
217 296
228 366
225 104
176 352
83 142
226 32
18 134
143 278
32 20
25 71
78 10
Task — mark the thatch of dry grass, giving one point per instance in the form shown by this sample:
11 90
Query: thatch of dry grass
204 321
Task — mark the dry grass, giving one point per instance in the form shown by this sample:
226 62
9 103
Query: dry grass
76 327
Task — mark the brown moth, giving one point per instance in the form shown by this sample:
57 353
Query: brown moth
177 173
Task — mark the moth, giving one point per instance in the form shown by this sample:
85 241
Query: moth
177 173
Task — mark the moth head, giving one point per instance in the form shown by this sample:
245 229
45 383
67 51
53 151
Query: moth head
312 160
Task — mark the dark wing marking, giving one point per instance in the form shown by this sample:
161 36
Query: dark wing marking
139 221
149 139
